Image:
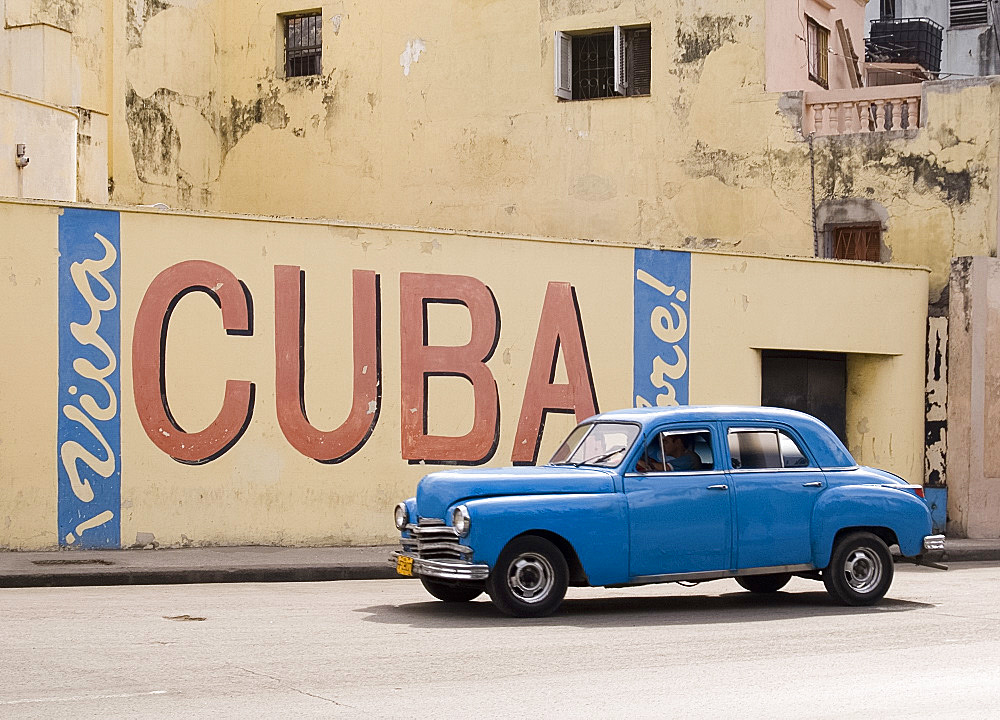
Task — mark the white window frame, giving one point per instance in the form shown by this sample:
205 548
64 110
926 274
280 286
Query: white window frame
564 63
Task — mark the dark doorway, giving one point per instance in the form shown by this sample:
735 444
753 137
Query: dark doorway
812 382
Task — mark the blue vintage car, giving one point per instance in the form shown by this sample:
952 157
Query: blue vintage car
652 495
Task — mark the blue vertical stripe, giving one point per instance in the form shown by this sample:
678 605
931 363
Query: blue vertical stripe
88 449
662 329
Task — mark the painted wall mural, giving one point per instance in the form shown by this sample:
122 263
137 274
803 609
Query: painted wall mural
558 375
662 315
229 381
89 426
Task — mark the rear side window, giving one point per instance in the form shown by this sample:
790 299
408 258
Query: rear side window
763 449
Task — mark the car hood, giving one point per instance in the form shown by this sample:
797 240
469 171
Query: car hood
437 491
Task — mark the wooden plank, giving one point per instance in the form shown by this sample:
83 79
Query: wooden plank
850 57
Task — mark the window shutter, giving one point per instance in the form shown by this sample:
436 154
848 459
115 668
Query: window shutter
620 84
564 65
639 66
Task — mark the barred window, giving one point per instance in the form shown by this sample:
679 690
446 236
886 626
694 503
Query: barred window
817 48
603 64
303 45
856 242
968 12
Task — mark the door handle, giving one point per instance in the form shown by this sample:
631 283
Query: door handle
718 487
813 484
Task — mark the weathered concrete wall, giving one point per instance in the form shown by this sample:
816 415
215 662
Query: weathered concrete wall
236 380
974 398
49 134
444 116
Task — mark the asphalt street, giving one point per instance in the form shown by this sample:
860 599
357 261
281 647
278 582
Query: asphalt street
384 648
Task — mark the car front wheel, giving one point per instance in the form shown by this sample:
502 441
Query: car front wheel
770 583
452 592
530 578
860 570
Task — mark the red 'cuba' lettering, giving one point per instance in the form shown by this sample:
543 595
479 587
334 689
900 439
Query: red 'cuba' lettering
419 361
149 347
337 445
560 326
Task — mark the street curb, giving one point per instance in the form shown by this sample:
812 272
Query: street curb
198 575
971 555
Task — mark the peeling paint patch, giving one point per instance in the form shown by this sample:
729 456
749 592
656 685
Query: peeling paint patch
956 185
707 33
336 22
936 408
414 48
241 117
138 13
156 144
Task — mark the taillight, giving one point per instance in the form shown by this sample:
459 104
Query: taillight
918 490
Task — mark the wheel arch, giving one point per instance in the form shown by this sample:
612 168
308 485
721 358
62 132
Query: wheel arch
885 534
577 575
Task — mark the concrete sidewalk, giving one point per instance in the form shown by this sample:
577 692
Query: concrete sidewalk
257 564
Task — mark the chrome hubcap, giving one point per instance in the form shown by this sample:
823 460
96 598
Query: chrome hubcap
863 568
530 577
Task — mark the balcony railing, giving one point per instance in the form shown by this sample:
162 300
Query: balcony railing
862 110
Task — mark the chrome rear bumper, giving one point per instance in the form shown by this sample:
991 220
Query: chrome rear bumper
445 569
933 543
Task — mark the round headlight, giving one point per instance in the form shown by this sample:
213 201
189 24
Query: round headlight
460 520
401 516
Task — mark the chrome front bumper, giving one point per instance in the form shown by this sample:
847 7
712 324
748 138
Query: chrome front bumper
444 569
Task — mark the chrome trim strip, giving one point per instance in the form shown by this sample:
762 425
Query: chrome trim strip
429 547
445 569
675 473
934 542
804 468
716 574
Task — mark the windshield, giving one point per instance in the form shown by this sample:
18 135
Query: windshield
603 444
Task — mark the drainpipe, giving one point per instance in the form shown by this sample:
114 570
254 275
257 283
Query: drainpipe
812 193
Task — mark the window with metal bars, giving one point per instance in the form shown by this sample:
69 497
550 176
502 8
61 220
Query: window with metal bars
818 51
887 10
304 45
968 12
856 242
603 64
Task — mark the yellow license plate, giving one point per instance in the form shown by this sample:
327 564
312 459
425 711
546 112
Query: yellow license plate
404 565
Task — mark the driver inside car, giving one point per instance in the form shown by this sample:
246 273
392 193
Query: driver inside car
676 454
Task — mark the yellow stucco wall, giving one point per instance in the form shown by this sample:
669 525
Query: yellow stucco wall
467 133
262 490
443 115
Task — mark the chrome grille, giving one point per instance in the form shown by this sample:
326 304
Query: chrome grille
431 539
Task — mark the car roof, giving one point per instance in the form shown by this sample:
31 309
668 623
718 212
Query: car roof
826 447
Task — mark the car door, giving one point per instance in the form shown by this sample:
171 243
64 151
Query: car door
680 521
775 486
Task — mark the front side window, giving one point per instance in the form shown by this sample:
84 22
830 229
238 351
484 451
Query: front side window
764 449
677 451
603 64
304 45
603 444
817 47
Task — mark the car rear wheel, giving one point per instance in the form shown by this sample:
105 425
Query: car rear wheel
530 578
452 592
770 583
860 570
